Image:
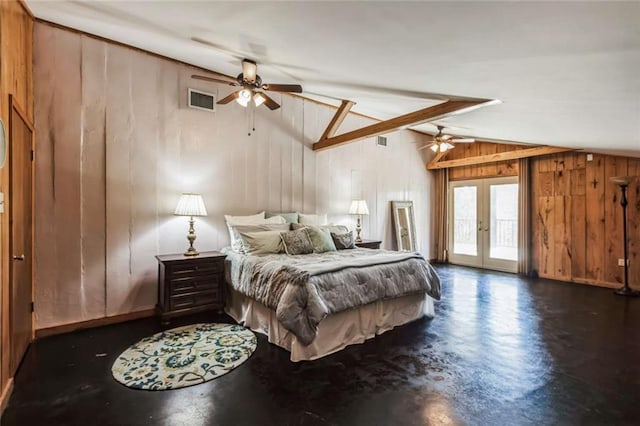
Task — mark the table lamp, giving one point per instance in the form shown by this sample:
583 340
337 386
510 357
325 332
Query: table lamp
190 205
358 207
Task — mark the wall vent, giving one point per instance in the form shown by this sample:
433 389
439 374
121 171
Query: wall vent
382 140
201 100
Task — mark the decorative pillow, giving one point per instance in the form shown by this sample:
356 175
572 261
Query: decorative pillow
237 230
344 241
312 219
297 242
289 217
338 229
321 239
261 242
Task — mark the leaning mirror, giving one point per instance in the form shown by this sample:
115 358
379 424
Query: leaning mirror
404 225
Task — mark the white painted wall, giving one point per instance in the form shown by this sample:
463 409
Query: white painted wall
116 146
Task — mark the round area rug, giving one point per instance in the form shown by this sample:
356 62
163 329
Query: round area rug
184 356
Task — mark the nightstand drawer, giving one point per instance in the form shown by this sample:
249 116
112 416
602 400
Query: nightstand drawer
193 283
196 268
190 300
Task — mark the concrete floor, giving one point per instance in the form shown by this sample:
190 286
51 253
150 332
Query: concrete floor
502 350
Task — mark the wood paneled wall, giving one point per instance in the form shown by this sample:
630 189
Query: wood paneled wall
16 78
577 218
116 145
576 214
498 169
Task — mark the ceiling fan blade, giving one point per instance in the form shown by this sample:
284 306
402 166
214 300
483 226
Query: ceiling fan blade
445 137
229 98
295 88
465 140
269 102
215 80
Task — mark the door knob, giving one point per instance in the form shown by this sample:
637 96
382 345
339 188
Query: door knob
21 257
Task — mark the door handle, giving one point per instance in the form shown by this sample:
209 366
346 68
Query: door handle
21 257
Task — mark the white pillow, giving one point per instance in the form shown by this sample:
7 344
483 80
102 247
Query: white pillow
312 219
256 219
275 220
236 243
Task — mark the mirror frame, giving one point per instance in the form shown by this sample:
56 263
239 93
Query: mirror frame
3 145
396 206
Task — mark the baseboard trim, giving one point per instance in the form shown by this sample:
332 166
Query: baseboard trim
98 322
583 281
6 393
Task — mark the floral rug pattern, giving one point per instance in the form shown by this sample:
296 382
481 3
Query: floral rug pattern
184 356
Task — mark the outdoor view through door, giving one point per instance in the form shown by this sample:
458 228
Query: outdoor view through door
483 223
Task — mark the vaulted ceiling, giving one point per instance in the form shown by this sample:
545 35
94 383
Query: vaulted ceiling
567 73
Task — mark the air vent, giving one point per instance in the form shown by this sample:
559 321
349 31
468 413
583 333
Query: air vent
202 100
382 141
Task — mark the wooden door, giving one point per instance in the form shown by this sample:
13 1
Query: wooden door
20 236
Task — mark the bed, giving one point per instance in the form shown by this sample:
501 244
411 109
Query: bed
318 303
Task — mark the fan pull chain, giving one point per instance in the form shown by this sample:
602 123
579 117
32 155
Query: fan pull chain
251 119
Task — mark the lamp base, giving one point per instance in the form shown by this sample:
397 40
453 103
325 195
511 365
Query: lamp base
627 291
191 237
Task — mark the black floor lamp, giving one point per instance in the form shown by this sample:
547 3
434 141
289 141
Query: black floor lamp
623 182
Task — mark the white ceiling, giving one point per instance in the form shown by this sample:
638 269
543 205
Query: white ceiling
568 73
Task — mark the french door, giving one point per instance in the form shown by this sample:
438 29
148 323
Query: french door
483 223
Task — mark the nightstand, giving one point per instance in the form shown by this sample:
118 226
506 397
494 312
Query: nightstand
372 244
188 284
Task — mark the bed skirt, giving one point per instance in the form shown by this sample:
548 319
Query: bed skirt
335 332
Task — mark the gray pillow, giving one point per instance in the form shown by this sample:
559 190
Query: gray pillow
343 241
321 239
263 242
297 242
238 229
289 217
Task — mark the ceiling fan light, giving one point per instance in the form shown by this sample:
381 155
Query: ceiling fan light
442 147
249 70
434 147
244 96
258 99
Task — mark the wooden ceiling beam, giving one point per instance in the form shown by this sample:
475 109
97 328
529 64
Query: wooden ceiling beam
431 113
439 156
500 156
338 118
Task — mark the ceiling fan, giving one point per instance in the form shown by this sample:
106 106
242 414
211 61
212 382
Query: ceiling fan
252 88
442 142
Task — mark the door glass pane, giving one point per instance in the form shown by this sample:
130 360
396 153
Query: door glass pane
465 237
504 222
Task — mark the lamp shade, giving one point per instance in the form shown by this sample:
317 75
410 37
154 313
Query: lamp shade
622 180
190 205
358 207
